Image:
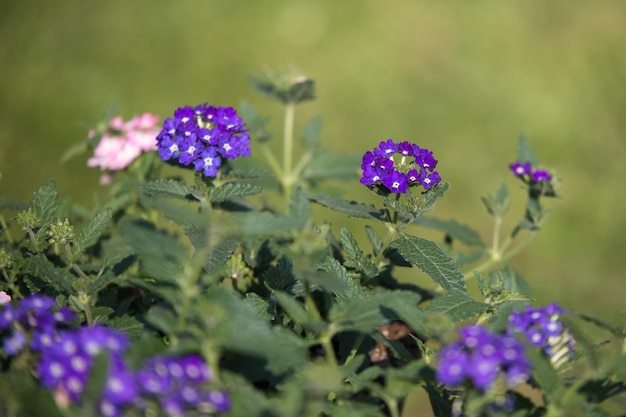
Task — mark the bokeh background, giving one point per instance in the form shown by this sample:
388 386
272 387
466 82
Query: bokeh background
464 79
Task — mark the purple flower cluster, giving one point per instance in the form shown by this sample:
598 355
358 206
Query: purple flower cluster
177 384
202 136
398 166
67 357
479 357
36 316
542 328
524 170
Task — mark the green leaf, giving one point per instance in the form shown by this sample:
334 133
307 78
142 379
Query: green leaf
261 306
428 198
92 231
168 188
220 253
162 318
457 305
246 174
525 152
452 228
355 256
331 164
512 280
97 379
265 224
544 375
351 208
429 258
374 239
312 131
498 204
299 205
43 269
342 286
45 203
231 190
297 312
162 256
73 151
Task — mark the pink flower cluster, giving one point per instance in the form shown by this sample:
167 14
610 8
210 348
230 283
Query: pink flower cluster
123 142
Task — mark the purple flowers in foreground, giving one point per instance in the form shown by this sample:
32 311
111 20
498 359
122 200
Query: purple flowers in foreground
524 170
202 136
398 166
542 328
480 356
67 356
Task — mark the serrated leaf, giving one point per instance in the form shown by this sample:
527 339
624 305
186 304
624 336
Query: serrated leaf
429 258
457 305
265 224
455 230
92 231
351 208
312 131
374 239
331 164
261 306
297 312
46 271
525 152
512 280
168 188
428 198
246 174
184 214
232 190
220 253
45 203
498 204
161 254
341 280
355 256
299 205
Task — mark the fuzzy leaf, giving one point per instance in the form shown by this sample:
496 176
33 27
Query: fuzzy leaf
355 256
525 152
168 188
299 205
162 318
374 239
343 286
428 198
233 189
220 253
91 232
312 131
297 312
266 224
45 203
498 204
455 230
457 305
429 258
46 271
351 208
162 256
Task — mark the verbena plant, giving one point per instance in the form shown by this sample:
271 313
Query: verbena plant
189 291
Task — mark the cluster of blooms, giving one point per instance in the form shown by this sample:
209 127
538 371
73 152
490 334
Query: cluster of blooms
525 170
542 328
398 166
123 142
201 136
35 314
479 356
177 384
67 356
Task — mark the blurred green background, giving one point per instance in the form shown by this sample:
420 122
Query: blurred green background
464 79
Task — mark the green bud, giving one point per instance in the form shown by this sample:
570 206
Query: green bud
28 220
288 86
6 260
61 232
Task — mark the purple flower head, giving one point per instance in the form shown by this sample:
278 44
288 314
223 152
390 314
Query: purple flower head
203 135
539 175
14 343
542 328
520 169
415 166
479 356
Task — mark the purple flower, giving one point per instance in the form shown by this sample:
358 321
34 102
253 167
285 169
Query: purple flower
543 328
415 166
202 136
14 343
479 356
539 175
520 168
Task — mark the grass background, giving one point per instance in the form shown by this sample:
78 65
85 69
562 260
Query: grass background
464 80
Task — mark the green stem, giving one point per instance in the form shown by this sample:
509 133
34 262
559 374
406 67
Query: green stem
287 177
271 159
6 229
392 405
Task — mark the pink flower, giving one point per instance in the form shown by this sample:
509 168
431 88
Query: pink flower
4 298
123 142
